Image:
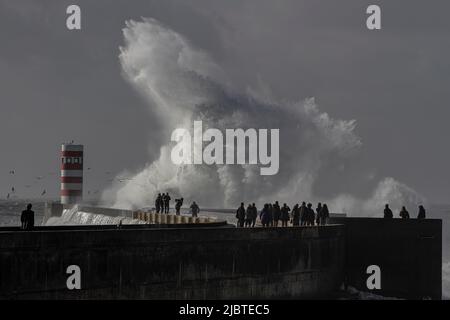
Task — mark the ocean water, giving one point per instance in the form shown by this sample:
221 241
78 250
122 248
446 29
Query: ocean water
10 216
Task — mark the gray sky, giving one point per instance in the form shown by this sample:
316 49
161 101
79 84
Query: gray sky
58 85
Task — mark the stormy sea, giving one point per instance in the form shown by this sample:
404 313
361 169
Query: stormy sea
10 216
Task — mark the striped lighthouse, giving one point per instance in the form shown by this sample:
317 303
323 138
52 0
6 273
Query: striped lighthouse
71 173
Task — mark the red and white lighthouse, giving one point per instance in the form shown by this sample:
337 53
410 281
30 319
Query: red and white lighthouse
71 173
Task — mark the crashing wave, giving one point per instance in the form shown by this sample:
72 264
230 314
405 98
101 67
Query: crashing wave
183 84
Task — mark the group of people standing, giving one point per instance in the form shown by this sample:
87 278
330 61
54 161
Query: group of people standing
272 214
246 217
404 214
162 203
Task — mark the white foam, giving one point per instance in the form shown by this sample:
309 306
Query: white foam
74 216
182 84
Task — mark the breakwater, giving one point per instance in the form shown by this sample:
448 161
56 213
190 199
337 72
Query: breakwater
408 253
147 262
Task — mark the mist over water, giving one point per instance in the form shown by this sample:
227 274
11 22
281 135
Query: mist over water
183 84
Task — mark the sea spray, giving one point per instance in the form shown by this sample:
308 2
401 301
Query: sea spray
183 84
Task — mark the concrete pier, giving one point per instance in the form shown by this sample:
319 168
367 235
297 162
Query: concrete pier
408 252
172 263
181 257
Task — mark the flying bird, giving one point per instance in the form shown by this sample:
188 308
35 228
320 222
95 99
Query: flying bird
43 192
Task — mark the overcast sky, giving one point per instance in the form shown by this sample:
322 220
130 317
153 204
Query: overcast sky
58 85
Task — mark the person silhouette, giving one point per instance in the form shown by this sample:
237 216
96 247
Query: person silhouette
285 215
303 214
324 214
318 210
388 212
404 214
240 215
178 204
254 214
422 214
27 218
264 215
166 203
194 209
158 203
296 215
276 213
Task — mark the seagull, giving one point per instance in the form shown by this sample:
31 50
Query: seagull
7 197
43 192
